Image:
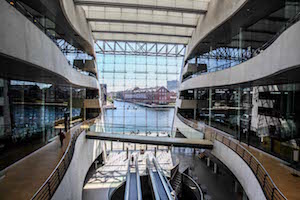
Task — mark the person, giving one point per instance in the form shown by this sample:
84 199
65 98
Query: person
61 137
132 160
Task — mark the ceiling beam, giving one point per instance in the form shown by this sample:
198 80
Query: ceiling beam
139 6
140 33
140 22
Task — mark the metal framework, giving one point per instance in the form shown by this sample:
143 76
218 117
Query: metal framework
143 33
139 6
227 53
141 22
140 48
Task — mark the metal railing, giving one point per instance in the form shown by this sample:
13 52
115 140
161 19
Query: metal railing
127 186
152 181
268 186
188 181
47 190
166 184
138 180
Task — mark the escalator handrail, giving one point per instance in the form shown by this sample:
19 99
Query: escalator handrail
127 186
138 181
162 177
152 179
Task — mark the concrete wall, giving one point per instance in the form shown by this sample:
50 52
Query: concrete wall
77 19
86 151
218 12
240 169
186 130
22 41
282 55
186 104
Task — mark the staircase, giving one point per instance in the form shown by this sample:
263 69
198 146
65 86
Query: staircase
176 183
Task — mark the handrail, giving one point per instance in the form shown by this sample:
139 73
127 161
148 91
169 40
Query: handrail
165 183
268 186
195 184
152 179
47 190
138 180
126 196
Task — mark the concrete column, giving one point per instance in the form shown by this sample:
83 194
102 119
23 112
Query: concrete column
244 195
195 98
208 162
71 105
215 168
209 106
236 186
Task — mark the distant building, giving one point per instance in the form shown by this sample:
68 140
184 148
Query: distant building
103 96
153 95
172 85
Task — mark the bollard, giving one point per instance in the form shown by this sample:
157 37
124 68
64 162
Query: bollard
127 153
155 152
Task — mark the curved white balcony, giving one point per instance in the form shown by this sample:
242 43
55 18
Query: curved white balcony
282 58
29 54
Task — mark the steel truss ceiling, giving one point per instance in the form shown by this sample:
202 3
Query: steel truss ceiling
139 48
159 21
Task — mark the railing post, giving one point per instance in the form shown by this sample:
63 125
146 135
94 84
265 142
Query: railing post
264 183
58 174
49 189
273 189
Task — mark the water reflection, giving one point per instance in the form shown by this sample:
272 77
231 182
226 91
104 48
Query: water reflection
129 117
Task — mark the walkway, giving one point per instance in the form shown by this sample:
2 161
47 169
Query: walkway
26 176
167 141
281 174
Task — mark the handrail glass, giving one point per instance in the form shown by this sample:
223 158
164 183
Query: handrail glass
268 186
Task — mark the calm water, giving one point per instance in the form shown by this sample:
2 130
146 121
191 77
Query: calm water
131 117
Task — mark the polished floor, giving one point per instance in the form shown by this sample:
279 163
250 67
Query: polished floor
285 178
102 181
22 179
218 186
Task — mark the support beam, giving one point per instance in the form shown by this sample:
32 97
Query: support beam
140 22
140 33
163 141
139 6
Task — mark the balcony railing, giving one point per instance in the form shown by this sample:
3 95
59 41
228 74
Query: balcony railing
188 181
268 186
47 190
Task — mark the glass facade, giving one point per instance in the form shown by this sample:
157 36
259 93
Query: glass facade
266 117
134 74
239 45
31 115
